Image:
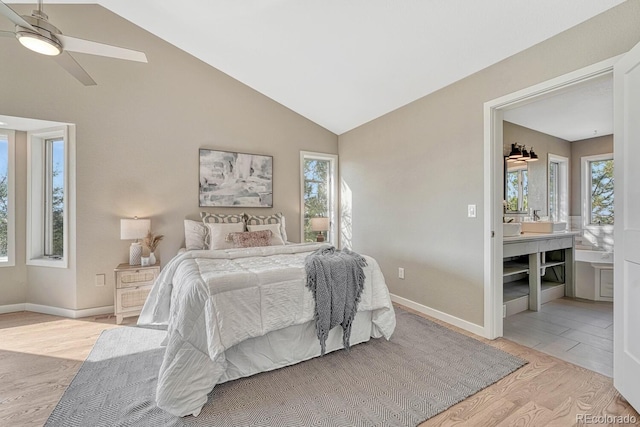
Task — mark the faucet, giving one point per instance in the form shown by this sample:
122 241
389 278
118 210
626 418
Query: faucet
536 217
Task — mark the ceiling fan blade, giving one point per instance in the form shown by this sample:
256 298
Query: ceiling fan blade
14 17
7 34
93 48
67 62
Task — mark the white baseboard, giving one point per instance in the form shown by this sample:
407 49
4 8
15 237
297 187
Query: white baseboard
452 320
12 308
65 312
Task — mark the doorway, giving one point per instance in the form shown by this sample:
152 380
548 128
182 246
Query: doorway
494 161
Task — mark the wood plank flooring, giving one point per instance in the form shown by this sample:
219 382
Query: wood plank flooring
576 331
40 354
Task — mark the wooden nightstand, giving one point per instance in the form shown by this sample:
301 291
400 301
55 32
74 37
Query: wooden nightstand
133 284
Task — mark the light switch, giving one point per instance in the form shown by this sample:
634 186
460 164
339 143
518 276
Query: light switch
471 211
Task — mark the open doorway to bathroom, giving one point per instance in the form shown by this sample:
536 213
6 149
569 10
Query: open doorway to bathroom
557 283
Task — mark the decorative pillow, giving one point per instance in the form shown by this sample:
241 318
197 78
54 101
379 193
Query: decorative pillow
250 239
276 238
218 234
195 235
208 217
268 219
214 218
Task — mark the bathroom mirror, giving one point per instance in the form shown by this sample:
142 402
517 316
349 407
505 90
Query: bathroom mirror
516 186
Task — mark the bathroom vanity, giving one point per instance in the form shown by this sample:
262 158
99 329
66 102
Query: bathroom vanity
537 268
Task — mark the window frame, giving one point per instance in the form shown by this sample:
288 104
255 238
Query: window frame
562 187
333 192
36 187
519 170
11 197
586 197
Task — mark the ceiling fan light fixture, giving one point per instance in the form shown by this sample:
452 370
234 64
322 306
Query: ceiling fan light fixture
39 43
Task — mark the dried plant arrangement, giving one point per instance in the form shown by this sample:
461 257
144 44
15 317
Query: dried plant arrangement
152 241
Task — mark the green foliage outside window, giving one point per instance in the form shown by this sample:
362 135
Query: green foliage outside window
602 192
316 194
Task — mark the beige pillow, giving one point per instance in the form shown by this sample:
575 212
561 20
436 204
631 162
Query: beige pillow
276 237
195 234
218 233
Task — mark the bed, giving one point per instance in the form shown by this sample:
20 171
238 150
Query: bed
232 313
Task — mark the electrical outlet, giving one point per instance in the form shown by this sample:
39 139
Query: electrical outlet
400 273
471 211
100 279
504 311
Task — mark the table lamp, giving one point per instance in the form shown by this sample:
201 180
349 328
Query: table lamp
319 225
134 229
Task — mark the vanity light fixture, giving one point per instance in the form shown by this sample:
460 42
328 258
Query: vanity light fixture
533 157
525 154
515 153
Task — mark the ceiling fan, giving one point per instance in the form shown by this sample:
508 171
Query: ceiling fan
36 33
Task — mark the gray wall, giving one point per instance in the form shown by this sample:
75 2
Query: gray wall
138 135
579 149
537 171
412 173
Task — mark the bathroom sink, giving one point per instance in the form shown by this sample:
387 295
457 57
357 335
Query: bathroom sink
510 229
543 227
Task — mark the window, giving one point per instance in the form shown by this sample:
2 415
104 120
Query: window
597 190
47 210
517 189
319 193
558 172
7 228
54 198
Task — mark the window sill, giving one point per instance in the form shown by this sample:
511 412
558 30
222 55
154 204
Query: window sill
4 262
47 262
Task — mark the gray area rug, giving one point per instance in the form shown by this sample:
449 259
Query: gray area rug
424 369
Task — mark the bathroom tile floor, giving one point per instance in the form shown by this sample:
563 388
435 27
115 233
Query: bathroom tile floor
576 331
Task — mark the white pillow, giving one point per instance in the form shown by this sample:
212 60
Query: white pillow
195 235
218 233
276 237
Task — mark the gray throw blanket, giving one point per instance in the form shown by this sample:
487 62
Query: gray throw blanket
336 279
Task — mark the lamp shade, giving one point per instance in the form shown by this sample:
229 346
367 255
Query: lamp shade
131 229
319 224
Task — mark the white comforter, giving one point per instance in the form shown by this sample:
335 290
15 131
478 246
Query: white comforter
213 300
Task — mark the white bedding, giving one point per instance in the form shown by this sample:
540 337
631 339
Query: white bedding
220 306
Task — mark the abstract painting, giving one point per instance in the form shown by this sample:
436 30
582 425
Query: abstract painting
229 179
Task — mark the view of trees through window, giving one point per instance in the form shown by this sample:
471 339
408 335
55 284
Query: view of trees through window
601 191
4 196
517 190
554 199
316 194
54 226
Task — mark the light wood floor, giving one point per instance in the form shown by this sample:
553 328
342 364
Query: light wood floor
577 331
40 354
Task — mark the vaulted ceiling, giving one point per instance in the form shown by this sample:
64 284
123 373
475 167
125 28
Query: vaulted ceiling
342 63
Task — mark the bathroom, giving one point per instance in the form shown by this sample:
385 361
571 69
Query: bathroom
561 176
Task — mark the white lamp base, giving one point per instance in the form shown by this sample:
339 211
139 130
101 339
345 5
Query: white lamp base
135 254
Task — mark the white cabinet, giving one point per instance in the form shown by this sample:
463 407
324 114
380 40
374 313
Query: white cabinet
133 284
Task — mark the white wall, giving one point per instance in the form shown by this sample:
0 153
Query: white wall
412 172
138 135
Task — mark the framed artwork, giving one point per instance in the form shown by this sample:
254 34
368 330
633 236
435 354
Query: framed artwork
230 179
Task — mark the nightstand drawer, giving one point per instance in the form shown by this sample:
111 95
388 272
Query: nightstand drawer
131 299
133 278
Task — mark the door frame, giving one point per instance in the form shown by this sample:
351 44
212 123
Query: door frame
493 179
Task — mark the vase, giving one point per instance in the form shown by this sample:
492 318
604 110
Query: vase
152 258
